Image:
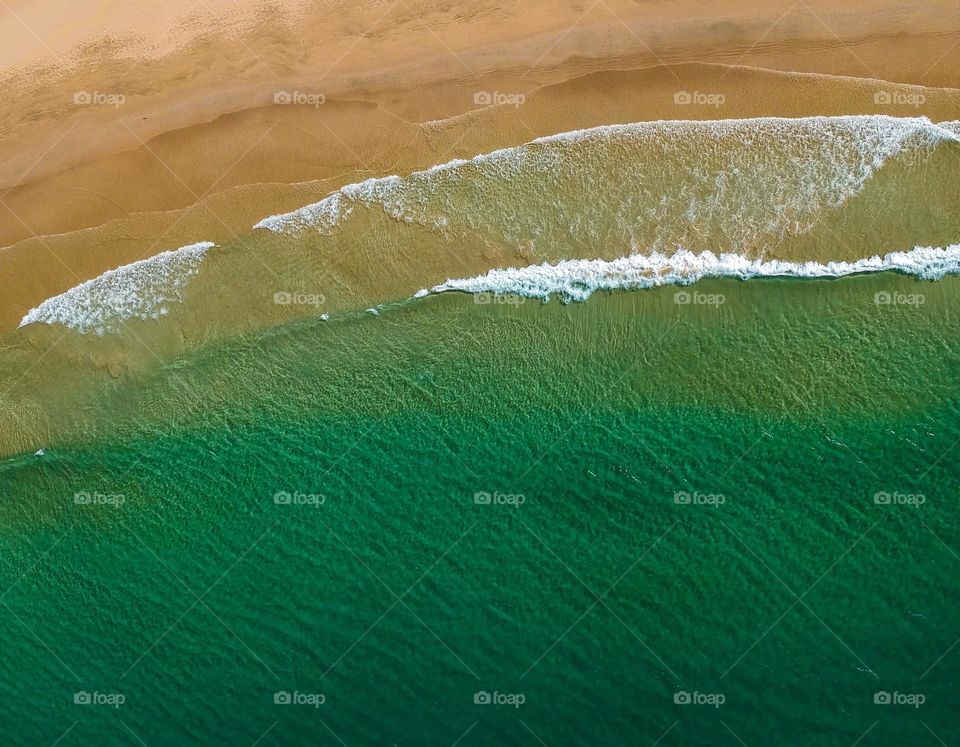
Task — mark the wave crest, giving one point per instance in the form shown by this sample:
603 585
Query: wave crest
141 290
577 280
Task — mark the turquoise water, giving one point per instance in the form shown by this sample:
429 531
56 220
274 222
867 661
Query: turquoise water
588 588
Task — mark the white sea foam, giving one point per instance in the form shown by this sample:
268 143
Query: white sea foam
577 280
322 216
953 127
738 183
140 290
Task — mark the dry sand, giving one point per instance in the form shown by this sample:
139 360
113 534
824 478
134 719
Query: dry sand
182 139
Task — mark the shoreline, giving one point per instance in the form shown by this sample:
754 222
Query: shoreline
384 239
294 166
197 150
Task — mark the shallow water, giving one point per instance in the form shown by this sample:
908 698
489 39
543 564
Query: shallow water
817 189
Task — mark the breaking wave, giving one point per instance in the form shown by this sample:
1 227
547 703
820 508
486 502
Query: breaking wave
140 290
577 280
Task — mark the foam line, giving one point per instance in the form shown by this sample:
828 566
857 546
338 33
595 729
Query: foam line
577 280
141 290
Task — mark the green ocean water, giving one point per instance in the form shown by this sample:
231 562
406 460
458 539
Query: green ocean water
753 502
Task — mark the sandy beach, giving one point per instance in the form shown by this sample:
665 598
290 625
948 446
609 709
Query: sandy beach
155 130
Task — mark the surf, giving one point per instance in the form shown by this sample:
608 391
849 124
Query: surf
140 290
613 207
577 280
